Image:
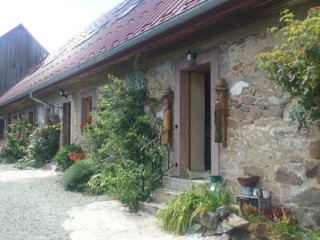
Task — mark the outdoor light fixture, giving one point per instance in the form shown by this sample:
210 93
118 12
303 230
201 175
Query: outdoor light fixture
63 93
190 56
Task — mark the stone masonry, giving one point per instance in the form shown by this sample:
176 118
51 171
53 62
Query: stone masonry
261 140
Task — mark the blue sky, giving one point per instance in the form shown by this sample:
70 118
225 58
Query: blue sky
52 22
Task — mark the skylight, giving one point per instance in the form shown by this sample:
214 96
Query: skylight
127 11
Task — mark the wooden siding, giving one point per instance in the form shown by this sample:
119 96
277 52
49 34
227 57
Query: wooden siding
19 53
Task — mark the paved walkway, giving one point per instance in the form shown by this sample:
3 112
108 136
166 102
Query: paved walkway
33 206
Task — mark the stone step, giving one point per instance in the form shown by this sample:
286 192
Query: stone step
150 207
163 195
180 184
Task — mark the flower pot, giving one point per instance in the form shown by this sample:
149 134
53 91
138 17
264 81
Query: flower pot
248 181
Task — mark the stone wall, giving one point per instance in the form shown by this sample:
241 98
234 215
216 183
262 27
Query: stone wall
261 140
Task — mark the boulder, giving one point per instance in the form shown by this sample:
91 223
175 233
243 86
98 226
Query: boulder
236 222
208 219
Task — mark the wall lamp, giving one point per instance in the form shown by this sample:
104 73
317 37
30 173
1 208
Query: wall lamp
191 56
63 93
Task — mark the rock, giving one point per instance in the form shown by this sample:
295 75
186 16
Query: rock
238 88
223 227
196 228
233 123
209 219
273 112
273 100
214 236
255 114
238 234
312 169
234 221
287 176
244 108
308 218
248 100
223 212
237 114
309 198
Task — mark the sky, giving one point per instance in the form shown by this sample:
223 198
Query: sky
52 22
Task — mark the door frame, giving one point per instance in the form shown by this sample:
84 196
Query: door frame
181 106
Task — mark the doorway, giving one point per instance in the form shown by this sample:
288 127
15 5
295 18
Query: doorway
199 111
194 116
66 124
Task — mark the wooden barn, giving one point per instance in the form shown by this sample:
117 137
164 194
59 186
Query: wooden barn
20 53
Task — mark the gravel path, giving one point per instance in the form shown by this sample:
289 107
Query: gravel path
33 206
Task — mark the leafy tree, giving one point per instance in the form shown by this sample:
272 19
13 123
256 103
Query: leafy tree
294 64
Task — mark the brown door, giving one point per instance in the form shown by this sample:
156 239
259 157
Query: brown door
197 122
66 124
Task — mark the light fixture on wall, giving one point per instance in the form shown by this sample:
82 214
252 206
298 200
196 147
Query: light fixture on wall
191 56
63 93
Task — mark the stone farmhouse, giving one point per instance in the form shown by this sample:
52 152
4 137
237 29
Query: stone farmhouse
228 119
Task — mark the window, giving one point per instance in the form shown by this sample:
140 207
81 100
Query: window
86 108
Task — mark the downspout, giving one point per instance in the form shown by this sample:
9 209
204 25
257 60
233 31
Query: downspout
43 103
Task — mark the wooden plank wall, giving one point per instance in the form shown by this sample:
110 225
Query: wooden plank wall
19 52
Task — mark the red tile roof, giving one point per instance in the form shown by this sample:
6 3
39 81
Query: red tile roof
118 26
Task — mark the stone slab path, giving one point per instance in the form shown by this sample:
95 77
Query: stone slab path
33 206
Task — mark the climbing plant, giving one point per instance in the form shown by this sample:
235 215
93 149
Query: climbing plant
294 64
120 128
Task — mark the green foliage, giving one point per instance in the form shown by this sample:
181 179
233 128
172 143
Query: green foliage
119 129
44 143
119 123
120 181
294 64
211 200
176 218
181 211
76 176
62 157
17 141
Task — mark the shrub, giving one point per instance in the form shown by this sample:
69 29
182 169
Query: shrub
44 143
119 129
121 181
76 176
62 158
293 64
17 141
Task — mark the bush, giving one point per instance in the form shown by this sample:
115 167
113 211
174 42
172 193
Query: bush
118 131
121 181
293 64
76 176
44 143
17 141
62 158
